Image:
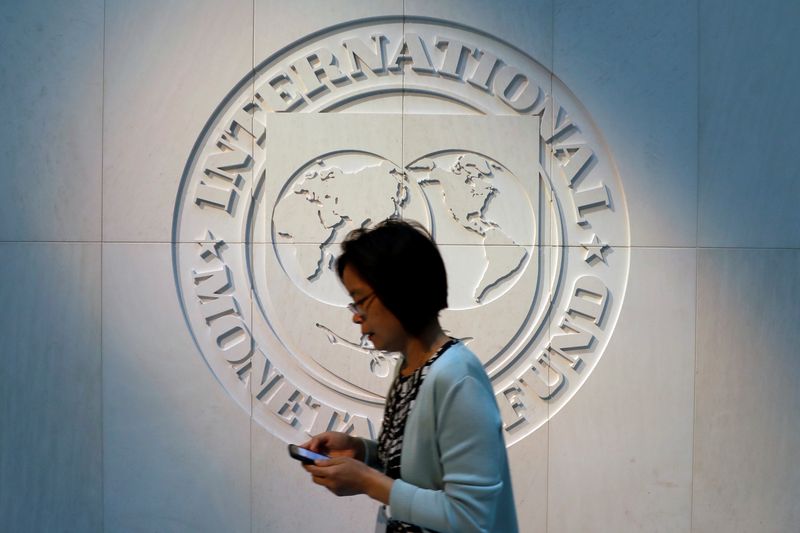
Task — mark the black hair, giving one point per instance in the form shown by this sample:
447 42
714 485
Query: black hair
402 264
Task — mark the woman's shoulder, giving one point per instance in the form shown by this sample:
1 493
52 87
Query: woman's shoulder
457 362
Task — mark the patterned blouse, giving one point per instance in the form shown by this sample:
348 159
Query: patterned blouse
399 404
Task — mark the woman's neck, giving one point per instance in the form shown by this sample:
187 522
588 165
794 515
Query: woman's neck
420 348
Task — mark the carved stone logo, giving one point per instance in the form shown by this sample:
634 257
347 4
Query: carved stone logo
409 118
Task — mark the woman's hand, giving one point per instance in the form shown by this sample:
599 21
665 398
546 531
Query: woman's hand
336 444
345 476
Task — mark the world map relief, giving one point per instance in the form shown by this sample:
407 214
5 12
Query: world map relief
328 201
467 190
331 200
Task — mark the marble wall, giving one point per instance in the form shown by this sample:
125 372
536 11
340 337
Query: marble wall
111 416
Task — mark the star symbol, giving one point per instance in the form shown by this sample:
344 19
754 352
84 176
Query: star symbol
209 250
594 250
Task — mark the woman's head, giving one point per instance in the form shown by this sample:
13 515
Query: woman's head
400 263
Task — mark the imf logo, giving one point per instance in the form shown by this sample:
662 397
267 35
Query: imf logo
399 118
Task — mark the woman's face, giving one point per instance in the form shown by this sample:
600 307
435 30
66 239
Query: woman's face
382 327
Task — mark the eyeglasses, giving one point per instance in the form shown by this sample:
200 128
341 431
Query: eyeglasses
357 307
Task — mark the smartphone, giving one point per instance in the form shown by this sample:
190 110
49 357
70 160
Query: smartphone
305 456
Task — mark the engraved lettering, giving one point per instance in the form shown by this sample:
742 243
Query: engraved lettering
538 377
310 68
326 418
208 195
212 283
577 161
329 419
286 403
512 408
279 93
221 306
263 375
587 199
232 338
246 119
452 64
554 119
358 426
360 54
220 169
589 298
575 340
484 69
411 50
515 89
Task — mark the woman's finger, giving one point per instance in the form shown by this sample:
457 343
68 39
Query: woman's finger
312 444
316 471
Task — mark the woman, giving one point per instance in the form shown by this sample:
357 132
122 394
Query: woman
440 462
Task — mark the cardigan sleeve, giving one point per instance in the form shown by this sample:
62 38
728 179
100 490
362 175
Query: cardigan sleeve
472 456
371 453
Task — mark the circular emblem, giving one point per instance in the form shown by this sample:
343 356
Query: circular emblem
409 118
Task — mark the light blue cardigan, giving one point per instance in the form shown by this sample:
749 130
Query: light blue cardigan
454 472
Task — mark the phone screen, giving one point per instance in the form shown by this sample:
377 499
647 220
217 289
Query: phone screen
301 453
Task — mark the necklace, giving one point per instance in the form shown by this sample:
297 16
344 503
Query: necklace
405 370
